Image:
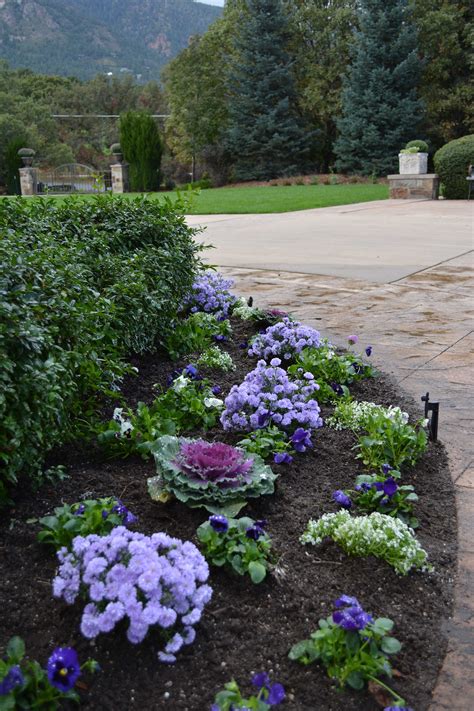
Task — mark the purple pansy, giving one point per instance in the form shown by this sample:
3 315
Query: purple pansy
301 439
368 351
390 486
386 468
282 458
342 499
254 532
12 679
219 523
63 668
338 389
350 615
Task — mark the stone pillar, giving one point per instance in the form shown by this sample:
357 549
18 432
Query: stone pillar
414 186
119 177
28 180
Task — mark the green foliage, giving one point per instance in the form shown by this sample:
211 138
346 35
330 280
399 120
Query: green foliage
451 163
185 406
352 657
79 519
231 699
35 692
381 108
266 136
142 147
330 368
368 498
216 499
422 146
390 441
266 441
83 284
213 357
195 334
235 550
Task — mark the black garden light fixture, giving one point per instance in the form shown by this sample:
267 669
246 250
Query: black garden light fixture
432 407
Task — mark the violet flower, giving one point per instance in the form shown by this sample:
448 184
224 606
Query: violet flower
63 668
353 339
368 351
254 532
301 439
12 679
342 499
351 617
219 523
338 389
390 486
386 468
282 458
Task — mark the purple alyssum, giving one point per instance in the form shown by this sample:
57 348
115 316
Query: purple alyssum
153 581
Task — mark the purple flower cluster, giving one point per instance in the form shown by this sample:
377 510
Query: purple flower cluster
350 615
154 581
284 339
210 293
217 462
268 395
276 692
11 680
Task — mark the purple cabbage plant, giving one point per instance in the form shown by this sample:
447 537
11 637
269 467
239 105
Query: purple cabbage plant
210 474
285 339
269 396
155 582
210 293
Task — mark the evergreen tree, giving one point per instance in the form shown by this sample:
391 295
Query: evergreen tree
381 109
142 148
265 137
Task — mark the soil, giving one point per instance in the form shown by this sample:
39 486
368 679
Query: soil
246 628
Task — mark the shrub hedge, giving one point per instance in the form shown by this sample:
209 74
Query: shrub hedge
451 163
82 285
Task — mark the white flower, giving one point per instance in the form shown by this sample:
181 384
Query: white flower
180 383
213 402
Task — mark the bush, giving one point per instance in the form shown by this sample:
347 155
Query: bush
142 147
418 143
83 284
451 163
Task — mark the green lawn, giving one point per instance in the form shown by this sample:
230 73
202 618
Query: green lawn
287 198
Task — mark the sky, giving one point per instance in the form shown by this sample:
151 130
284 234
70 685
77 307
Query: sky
213 2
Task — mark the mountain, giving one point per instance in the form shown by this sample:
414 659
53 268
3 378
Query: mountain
86 37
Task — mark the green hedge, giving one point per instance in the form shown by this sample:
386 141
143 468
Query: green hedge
83 284
451 163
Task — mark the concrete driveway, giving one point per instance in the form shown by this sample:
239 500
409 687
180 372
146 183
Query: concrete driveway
400 275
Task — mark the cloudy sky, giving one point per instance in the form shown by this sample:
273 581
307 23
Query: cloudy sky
213 2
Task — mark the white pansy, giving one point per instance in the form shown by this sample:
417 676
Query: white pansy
213 402
180 383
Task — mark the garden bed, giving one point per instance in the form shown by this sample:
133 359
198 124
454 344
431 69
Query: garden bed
246 628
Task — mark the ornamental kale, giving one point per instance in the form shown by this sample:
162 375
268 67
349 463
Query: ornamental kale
269 396
186 405
378 534
210 293
26 685
261 316
391 440
353 646
332 371
195 334
213 357
241 544
98 516
153 581
268 695
285 339
214 475
383 494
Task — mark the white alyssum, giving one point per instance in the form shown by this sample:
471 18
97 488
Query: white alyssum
378 534
213 357
353 414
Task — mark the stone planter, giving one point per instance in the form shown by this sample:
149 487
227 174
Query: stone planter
413 163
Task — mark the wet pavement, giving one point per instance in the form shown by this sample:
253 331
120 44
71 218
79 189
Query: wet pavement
400 275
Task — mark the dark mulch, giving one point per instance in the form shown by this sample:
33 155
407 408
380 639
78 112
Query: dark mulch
246 628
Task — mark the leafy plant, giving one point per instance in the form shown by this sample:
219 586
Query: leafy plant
83 284
352 646
214 475
378 534
268 695
380 493
186 405
26 685
213 357
195 334
98 516
421 146
353 414
332 371
391 440
241 544
266 442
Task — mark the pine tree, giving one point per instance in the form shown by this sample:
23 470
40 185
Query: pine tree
381 109
265 136
142 147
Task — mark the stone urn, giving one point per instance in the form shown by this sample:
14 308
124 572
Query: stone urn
413 163
116 150
27 155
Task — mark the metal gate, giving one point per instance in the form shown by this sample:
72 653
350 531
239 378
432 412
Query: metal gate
73 178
